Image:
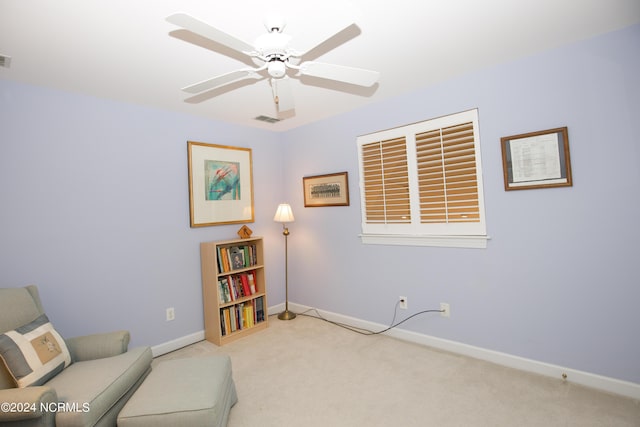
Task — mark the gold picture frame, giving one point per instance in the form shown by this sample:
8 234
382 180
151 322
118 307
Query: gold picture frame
326 190
536 160
220 184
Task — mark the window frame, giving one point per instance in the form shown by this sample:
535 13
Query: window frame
465 234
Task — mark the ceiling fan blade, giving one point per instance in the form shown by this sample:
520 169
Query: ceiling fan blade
222 80
203 29
356 76
345 33
221 90
283 94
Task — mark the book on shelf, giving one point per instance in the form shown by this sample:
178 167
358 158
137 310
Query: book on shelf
232 295
227 320
222 291
251 277
224 259
237 286
253 254
240 323
227 290
247 256
238 310
247 316
230 288
259 302
244 278
219 262
234 319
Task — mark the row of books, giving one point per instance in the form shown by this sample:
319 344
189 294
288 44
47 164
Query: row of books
236 286
241 316
236 257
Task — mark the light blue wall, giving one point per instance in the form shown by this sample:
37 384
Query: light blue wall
558 282
94 209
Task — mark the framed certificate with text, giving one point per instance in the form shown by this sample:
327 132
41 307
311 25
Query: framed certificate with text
536 160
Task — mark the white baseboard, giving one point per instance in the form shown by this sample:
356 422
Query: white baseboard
611 385
279 308
178 343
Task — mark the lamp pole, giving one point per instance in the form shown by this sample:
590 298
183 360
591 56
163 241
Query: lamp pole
286 314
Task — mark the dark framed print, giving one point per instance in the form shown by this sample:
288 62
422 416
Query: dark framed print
326 190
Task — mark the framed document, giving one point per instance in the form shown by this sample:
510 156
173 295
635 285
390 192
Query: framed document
536 160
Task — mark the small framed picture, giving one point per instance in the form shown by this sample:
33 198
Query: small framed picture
237 258
220 184
326 190
536 160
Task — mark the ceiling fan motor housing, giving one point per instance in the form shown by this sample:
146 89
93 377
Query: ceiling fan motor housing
272 48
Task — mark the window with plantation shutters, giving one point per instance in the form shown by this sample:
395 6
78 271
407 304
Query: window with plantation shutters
421 184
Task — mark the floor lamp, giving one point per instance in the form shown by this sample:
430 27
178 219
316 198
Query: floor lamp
284 214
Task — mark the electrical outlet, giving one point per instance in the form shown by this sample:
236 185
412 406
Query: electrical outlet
403 303
445 310
171 314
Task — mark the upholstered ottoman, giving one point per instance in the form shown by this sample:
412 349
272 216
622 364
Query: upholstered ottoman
183 392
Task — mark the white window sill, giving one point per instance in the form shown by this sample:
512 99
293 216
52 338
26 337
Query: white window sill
473 242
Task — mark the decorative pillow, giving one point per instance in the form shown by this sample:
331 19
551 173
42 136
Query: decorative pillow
34 353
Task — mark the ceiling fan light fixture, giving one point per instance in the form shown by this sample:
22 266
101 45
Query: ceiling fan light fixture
277 69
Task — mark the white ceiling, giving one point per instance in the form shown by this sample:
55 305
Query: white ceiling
122 50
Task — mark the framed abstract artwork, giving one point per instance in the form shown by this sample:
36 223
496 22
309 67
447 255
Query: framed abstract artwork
220 184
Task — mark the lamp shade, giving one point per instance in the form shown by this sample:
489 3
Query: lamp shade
284 213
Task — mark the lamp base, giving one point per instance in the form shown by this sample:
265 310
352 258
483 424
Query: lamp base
287 315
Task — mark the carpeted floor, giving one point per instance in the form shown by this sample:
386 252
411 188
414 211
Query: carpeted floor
306 372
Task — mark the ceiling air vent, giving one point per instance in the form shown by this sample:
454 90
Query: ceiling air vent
5 61
267 119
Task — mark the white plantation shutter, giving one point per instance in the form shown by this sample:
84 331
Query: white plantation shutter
422 181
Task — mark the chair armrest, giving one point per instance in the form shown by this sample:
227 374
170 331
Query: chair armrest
19 404
98 346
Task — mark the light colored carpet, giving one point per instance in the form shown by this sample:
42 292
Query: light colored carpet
306 372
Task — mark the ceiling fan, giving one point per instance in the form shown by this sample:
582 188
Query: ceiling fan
274 59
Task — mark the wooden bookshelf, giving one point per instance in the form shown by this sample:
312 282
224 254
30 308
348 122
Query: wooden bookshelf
233 289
